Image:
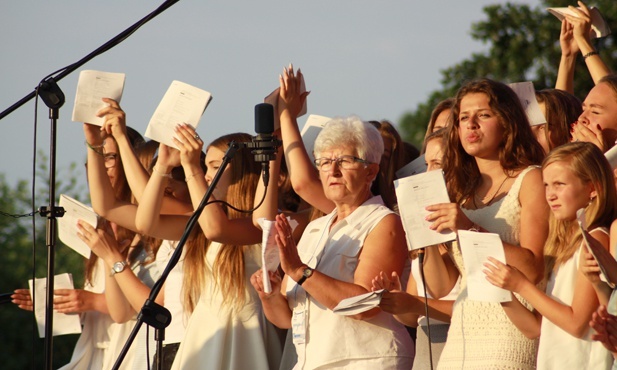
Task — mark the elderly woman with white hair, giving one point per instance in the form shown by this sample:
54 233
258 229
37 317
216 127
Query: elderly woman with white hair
337 258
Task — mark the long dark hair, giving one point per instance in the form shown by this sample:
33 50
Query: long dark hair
517 150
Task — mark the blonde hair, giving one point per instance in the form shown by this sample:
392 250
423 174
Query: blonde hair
227 273
589 165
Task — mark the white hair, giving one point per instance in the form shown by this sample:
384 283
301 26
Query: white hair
351 132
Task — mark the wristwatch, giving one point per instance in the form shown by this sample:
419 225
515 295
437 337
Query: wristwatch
118 267
305 275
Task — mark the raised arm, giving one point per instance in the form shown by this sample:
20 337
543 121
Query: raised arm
136 174
304 176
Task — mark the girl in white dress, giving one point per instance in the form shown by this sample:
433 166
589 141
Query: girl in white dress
576 176
227 329
494 186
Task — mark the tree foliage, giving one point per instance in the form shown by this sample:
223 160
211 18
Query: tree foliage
523 45
22 239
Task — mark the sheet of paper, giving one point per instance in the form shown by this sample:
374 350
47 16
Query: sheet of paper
67 224
414 167
611 156
599 27
182 103
273 99
269 250
606 262
476 248
358 304
414 194
313 126
527 95
93 86
63 323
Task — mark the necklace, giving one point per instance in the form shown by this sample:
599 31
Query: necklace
486 204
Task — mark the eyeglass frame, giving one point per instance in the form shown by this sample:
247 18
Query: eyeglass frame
108 157
338 161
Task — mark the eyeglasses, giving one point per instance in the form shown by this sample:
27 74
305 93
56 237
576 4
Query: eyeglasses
345 162
110 159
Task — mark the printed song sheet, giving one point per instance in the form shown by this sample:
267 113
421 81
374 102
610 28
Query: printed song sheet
63 323
476 248
92 87
182 103
67 224
606 262
414 194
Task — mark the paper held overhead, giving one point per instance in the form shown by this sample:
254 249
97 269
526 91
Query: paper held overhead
92 87
599 27
182 103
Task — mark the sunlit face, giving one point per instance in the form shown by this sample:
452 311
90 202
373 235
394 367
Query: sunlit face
480 129
214 158
565 192
442 120
600 108
433 154
346 186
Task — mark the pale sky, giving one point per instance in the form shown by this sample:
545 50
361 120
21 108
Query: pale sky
375 59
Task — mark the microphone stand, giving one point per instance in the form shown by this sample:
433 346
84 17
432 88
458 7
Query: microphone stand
54 98
152 313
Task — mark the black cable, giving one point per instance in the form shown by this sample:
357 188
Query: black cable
428 324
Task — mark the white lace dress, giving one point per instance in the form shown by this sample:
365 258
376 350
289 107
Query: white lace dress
481 335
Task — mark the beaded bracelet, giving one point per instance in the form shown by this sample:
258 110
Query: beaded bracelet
98 149
168 175
590 54
190 177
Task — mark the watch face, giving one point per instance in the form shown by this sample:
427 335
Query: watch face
118 266
307 272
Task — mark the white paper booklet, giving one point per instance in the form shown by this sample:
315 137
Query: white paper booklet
599 27
358 304
527 95
414 194
414 167
269 250
606 262
611 156
92 87
63 323
313 126
476 248
67 224
182 103
273 99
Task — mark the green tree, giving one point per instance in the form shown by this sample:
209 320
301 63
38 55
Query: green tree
523 46
20 240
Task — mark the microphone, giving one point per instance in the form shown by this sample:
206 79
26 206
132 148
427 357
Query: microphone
264 145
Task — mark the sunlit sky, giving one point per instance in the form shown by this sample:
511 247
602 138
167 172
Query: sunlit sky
375 59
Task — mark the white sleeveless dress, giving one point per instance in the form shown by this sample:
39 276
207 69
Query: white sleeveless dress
481 335
558 349
217 338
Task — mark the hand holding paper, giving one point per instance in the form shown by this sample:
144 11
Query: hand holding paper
358 304
92 87
605 261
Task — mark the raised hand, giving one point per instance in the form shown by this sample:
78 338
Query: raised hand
190 145
115 119
584 131
291 96
288 252
101 241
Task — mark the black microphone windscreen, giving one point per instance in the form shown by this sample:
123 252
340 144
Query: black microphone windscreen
264 118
